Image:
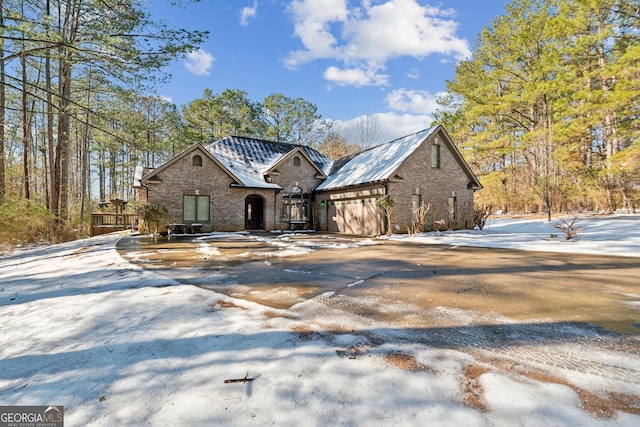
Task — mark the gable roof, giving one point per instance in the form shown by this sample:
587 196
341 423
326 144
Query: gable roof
375 164
250 159
148 174
299 151
381 162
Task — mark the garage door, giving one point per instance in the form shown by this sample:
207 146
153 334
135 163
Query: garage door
357 216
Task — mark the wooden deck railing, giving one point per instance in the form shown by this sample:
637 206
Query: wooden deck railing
102 223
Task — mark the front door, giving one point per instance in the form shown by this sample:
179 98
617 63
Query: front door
254 213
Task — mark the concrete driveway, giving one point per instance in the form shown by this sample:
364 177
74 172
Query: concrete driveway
572 320
407 284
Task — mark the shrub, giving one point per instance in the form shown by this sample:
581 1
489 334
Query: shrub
24 222
569 227
386 203
419 216
480 215
152 214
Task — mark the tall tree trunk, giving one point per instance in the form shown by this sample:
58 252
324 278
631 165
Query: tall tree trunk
102 175
113 179
2 104
50 118
64 137
85 170
25 130
60 188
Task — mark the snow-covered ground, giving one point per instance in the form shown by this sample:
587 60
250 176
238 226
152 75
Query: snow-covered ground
118 345
615 235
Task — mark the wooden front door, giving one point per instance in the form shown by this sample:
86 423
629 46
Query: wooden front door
254 213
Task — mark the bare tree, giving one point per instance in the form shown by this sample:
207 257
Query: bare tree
366 131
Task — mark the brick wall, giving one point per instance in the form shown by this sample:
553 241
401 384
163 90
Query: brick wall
340 212
416 177
433 185
292 174
226 203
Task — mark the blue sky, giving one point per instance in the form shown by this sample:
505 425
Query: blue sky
387 59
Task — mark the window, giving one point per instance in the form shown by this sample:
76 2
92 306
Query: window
295 206
452 208
296 161
196 208
435 156
196 160
295 209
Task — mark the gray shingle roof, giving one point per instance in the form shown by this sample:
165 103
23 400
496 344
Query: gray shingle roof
249 158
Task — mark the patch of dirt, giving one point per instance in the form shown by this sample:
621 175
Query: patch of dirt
473 391
275 315
404 361
624 402
86 248
222 304
604 406
302 330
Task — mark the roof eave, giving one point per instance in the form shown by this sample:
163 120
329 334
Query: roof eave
344 187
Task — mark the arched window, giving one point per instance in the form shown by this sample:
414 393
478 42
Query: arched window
197 160
296 161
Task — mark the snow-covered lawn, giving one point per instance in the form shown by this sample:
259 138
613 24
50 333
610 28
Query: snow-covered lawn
118 345
615 235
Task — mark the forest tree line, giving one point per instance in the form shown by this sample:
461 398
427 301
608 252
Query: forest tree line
78 110
545 111
69 75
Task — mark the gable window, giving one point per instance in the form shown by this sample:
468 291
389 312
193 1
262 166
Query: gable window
435 156
296 161
196 160
196 208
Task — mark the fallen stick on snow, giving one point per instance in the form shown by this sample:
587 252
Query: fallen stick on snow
239 380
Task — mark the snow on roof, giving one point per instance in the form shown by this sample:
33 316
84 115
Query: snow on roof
249 159
377 163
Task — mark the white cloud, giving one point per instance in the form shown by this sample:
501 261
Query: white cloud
372 33
199 62
248 12
414 101
355 77
392 125
312 24
413 73
402 28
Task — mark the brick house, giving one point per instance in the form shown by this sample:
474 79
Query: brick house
248 184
